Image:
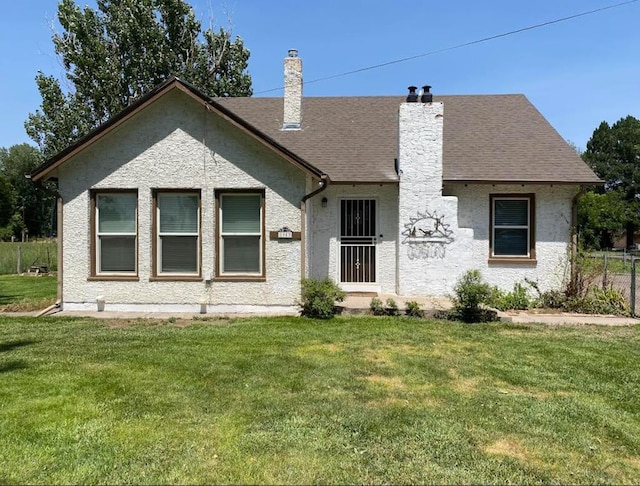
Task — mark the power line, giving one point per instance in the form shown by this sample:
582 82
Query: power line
460 46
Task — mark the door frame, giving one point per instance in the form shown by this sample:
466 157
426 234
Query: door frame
358 286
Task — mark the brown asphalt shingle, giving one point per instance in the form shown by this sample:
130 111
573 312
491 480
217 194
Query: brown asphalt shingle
487 138
492 138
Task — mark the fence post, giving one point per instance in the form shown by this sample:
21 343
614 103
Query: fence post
19 265
633 286
604 273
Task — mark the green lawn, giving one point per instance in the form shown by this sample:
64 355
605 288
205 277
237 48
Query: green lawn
27 292
291 400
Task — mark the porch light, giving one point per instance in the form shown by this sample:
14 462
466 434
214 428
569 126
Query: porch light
324 202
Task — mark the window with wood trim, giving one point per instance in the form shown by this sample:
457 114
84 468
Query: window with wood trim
115 228
512 226
177 233
240 227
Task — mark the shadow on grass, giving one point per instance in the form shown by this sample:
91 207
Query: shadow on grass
8 299
10 345
13 365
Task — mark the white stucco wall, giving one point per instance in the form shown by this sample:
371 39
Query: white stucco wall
324 233
552 231
434 250
177 143
430 261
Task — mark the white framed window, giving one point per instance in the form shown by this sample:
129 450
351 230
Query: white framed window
177 228
115 227
512 226
240 233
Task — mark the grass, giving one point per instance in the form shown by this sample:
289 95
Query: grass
26 292
32 253
292 400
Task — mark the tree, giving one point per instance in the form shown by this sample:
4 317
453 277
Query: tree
601 217
613 152
120 51
31 205
7 205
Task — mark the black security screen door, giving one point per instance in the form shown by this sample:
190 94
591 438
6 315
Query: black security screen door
358 240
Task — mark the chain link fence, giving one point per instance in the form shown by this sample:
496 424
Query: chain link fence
36 256
616 270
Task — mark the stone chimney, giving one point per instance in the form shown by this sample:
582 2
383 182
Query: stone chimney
292 91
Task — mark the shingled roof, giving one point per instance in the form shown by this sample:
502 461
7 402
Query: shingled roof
487 138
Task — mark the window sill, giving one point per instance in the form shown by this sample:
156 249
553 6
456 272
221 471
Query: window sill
520 261
240 278
115 278
176 278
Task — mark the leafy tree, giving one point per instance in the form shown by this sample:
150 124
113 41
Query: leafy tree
613 152
30 205
602 217
121 50
7 205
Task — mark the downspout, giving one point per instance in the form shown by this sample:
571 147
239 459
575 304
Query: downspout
574 233
324 183
59 226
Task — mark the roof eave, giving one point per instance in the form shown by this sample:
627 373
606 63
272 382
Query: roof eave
525 181
172 82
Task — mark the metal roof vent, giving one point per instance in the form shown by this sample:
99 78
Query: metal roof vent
426 97
412 97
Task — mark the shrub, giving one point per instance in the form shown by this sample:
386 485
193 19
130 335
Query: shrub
376 307
517 299
599 301
470 294
413 309
392 307
319 297
549 299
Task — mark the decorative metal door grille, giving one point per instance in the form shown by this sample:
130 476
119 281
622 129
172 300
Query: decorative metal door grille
358 240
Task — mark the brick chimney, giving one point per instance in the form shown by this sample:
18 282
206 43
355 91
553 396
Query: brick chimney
292 91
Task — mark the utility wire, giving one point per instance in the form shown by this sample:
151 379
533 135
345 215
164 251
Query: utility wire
460 46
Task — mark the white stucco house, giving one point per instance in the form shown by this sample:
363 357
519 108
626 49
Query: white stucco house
186 203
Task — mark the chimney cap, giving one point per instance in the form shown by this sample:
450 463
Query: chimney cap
292 53
412 97
426 96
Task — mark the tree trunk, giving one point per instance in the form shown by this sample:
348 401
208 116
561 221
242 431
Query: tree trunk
631 230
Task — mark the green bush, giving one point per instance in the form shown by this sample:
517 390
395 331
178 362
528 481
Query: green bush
319 297
376 307
470 294
518 299
392 307
599 301
413 309
551 299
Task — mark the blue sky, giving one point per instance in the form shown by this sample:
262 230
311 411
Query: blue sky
577 73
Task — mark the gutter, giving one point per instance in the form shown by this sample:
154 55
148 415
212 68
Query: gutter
324 183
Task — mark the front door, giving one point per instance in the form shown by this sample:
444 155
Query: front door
358 240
